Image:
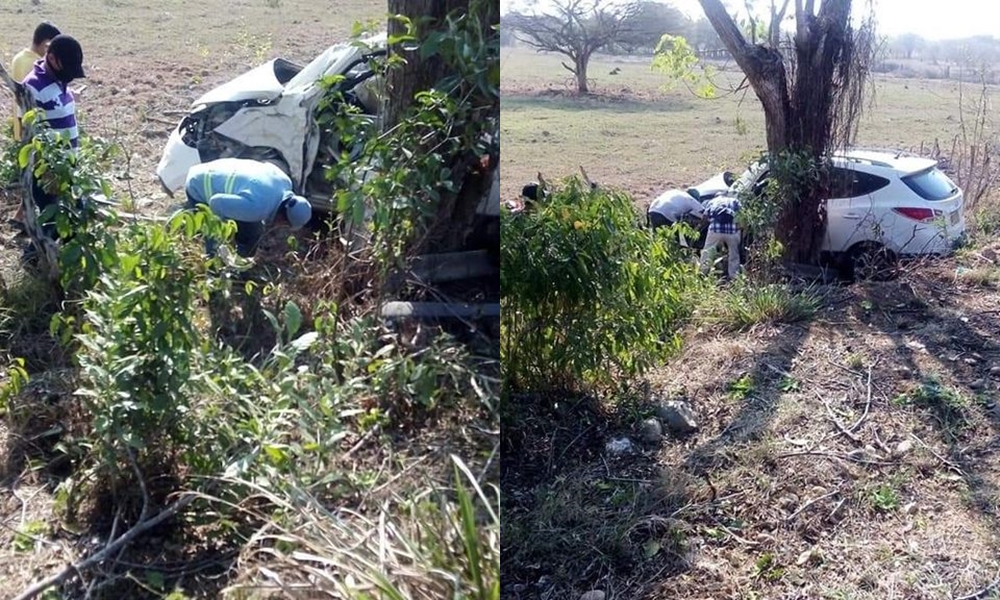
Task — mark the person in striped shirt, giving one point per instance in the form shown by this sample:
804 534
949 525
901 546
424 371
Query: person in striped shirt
48 92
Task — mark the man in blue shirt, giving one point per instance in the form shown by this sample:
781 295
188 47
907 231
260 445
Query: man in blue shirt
723 230
252 193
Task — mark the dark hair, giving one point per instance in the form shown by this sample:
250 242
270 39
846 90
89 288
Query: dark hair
44 32
530 191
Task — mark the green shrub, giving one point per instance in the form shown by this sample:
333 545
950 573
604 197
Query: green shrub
586 293
138 339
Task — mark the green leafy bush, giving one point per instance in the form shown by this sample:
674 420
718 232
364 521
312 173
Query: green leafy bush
587 293
138 339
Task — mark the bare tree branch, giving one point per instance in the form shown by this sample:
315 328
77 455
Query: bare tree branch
113 546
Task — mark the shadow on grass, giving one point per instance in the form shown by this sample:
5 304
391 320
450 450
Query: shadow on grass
920 317
556 100
759 392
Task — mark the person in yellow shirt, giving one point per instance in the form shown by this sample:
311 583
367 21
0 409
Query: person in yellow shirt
24 61
21 66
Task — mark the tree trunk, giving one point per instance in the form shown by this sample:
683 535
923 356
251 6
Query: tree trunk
581 75
798 118
416 74
455 221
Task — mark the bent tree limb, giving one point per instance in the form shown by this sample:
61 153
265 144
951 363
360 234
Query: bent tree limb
46 246
113 546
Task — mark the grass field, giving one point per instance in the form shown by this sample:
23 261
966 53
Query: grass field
634 134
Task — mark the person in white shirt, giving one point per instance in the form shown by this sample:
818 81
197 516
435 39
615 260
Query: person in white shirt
672 206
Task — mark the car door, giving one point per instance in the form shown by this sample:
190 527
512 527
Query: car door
852 216
844 217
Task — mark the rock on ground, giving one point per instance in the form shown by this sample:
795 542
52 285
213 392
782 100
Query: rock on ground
678 416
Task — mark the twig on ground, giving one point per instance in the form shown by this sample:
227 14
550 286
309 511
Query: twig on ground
368 435
810 503
739 539
833 419
868 402
948 463
836 508
79 568
981 593
847 457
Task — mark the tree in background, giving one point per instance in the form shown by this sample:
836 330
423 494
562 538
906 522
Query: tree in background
650 22
905 45
703 38
577 29
811 84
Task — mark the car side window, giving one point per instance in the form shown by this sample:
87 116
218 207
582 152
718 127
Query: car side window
866 183
848 183
842 183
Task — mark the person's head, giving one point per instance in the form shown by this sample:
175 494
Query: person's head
64 58
43 35
297 211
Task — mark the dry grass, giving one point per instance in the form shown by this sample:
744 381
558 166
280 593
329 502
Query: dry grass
805 480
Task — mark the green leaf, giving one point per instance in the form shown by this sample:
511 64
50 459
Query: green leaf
293 319
24 156
276 453
155 580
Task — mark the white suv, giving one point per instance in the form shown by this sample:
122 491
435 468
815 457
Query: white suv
882 206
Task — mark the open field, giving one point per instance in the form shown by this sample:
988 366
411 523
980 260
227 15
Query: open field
635 135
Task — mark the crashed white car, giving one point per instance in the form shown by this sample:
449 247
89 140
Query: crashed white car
267 114
882 206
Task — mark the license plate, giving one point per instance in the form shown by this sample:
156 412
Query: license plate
956 217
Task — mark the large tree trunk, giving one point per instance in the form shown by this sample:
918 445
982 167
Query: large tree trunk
456 214
798 118
581 75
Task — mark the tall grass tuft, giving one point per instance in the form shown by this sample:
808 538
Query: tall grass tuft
745 304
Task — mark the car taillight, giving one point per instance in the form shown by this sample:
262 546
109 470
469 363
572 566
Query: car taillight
919 214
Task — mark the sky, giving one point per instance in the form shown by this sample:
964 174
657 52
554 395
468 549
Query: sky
932 19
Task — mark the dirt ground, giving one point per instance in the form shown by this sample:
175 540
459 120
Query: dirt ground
855 456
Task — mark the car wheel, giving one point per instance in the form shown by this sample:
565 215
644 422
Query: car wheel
871 262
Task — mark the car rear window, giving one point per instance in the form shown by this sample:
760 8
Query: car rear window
931 184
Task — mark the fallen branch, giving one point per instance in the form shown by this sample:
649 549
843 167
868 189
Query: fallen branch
810 503
868 403
833 419
948 463
982 592
847 457
78 568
